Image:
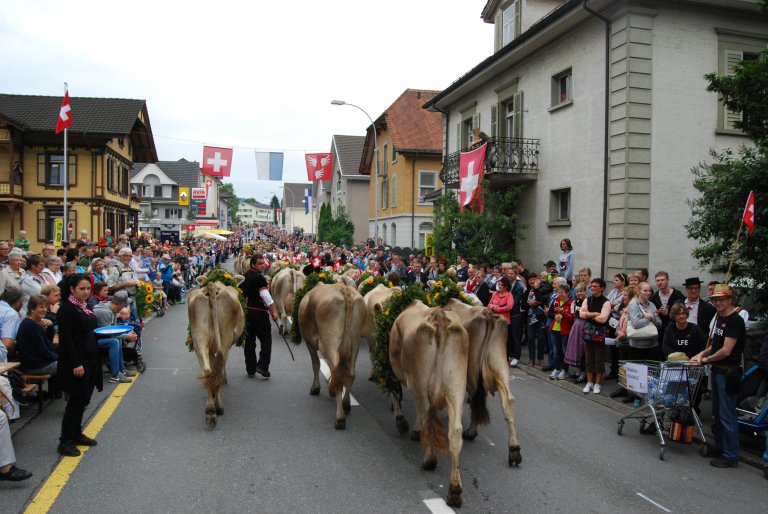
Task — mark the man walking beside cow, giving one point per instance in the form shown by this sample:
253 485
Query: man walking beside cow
260 307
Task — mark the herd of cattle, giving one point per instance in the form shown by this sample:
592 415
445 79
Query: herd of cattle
440 354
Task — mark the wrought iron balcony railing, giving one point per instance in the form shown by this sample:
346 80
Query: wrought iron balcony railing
505 156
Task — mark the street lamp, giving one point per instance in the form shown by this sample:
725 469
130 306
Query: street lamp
376 169
293 200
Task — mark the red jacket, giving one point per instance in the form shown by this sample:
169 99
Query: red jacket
503 304
567 312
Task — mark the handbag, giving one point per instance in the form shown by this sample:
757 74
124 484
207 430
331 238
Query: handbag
647 332
593 333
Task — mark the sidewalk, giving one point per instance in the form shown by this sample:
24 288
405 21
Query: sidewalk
752 448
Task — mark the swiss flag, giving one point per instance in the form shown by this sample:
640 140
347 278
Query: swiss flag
217 162
319 166
471 173
65 114
316 262
749 213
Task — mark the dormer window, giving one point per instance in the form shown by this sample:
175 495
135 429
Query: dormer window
508 23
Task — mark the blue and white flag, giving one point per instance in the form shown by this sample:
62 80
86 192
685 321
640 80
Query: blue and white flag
307 200
269 165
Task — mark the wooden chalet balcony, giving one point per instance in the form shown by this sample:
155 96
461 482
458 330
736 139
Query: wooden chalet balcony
9 190
507 160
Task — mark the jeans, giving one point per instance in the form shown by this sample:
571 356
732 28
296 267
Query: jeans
115 349
537 341
726 427
557 344
515 337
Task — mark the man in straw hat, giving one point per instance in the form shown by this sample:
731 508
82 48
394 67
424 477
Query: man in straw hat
724 351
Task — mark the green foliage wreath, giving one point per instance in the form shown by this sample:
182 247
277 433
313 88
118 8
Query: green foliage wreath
310 282
226 278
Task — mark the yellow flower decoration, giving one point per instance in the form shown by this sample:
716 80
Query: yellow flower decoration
370 280
227 276
322 275
390 283
437 295
439 283
386 312
464 295
150 288
149 298
429 298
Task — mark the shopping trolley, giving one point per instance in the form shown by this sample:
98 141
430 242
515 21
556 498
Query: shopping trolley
662 387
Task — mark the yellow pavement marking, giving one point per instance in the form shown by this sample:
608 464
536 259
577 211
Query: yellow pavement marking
46 496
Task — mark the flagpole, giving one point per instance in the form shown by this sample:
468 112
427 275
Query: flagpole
65 228
733 253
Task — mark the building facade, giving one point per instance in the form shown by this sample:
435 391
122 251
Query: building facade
254 212
599 110
294 213
107 136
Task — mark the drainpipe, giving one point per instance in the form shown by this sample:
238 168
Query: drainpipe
447 126
606 156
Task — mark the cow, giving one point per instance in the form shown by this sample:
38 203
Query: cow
428 353
216 320
487 370
345 279
283 288
331 319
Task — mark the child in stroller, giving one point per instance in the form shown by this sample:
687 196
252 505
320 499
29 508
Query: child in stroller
132 350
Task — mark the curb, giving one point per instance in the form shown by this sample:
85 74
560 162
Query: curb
623 409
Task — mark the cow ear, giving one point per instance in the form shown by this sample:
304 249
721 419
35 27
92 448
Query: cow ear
239 279
200 280
431 284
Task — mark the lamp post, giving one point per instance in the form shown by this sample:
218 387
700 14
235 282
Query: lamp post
376 169
293 201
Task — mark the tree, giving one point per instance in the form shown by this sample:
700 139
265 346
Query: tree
275 204
338 231
479 237
324 222
146 215
234 201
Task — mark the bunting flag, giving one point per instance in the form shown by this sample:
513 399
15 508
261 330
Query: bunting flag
471 172
307 200
319 166
217 162
749 212
65 114
269 166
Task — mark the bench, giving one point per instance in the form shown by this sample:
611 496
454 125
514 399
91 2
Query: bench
37 381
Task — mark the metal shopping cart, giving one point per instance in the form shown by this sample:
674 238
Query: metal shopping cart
662 387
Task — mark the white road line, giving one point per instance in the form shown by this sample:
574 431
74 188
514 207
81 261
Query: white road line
176 371
438 506
326 371
489 441
644 497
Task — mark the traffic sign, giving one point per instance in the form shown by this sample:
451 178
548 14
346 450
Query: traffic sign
70 228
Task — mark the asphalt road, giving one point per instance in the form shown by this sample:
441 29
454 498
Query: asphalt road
275 450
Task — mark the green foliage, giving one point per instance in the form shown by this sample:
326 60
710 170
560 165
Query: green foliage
339 231
219 274
310 282
444 290
324 222
746 91
370 282
716 214
275 204
234 202
479 237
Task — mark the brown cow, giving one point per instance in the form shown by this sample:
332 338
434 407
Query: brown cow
428 353
216 319
331 319
283 288
487 370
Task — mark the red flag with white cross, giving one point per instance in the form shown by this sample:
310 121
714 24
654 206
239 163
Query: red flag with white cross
471 173
65 114
749 213
217 162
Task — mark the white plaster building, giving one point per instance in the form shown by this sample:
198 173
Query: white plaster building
600 110
254 212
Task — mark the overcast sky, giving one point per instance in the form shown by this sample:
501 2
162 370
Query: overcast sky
253 75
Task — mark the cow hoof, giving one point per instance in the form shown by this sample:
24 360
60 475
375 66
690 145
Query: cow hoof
416 435
347 408
454 496
314 391
514 456
468 436
210 421
402 424
220 411
429 465
341 424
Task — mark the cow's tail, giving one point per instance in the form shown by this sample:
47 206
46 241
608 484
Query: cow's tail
433 432
480 414
341 373
215 379
439 322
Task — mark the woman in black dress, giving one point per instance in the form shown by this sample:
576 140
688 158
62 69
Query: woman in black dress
79 368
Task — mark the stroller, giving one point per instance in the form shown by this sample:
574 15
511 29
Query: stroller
752 409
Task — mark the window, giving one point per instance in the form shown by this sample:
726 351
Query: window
560 206
173 214
507 24
385 160
167 190
734 47
50 170
46 222
561 88
393 236
384 232
384 193
394 154
424 229
148 191
393 186
427 185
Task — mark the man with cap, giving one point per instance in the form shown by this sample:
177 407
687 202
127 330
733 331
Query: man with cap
106 313
550 267
699 312
260 306
724 352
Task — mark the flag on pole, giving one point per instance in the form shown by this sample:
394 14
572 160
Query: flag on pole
471 172
319 166
269 165
217 162
749 213
65 114
307 199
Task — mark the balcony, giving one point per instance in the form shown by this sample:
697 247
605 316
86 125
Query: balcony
10 191
507 161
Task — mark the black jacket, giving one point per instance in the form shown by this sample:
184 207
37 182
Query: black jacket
78 347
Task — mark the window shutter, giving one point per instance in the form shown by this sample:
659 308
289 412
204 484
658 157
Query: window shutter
41 169
72 170
476 121
518 23
518 108
498 29
41 225
730 118
458 137
394 191
494 120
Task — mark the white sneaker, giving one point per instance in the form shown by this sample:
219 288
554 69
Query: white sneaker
554 374
597 388
562 375
513 362
581 378
587 388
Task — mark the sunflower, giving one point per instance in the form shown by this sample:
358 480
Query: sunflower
227 276
322 275
370 280
439 283
390 283
149 298
150 288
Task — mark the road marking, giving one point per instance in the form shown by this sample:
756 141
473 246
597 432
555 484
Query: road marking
327 373
45 498
438 506
489 441
644 497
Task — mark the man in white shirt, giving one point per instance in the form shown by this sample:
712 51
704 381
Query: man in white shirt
699 312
